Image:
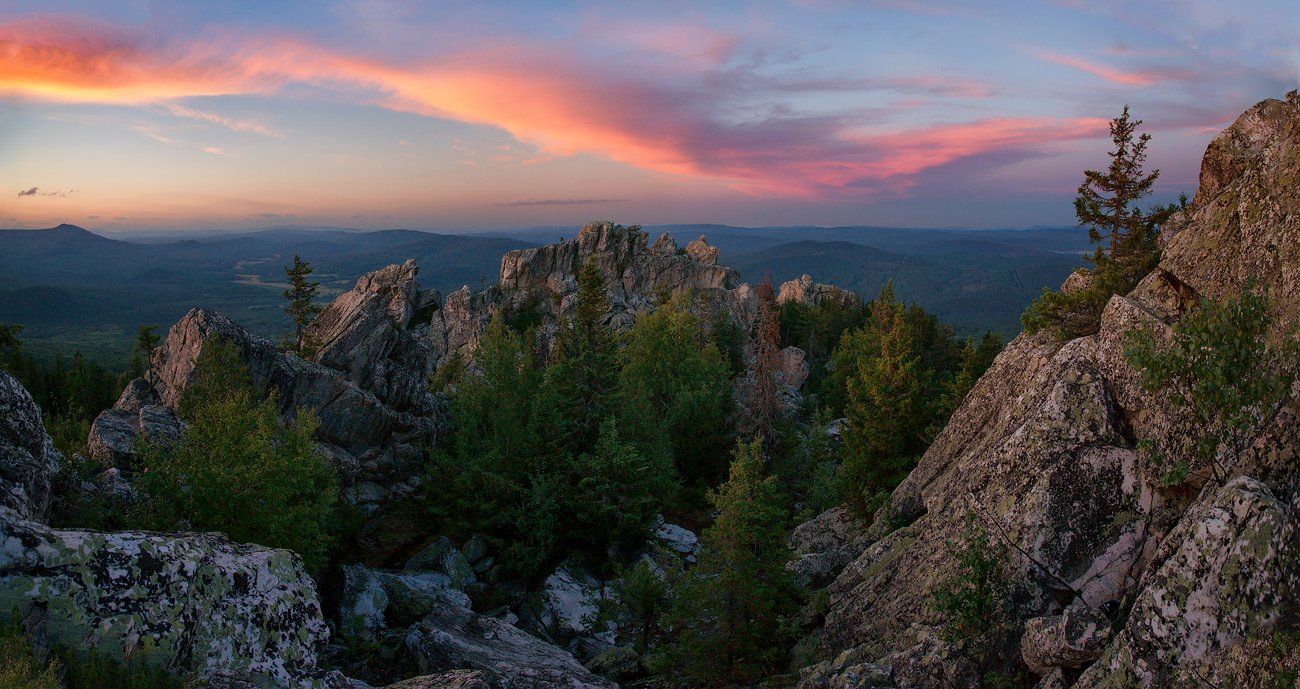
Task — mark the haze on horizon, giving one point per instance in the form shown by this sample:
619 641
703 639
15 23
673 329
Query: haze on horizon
376 114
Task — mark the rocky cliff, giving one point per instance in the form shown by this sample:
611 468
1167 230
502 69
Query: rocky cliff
1117 581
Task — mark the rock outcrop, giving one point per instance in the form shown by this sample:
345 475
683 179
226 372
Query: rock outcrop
541 284
28 459
1043 455
191 603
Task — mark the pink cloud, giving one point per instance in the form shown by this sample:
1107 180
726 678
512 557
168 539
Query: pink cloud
545 96
1146 77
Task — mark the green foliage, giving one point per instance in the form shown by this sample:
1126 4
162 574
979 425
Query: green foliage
9 342
1126 235
24 666
1226 370
819 488
674 394
301 296
20 668
520 468
975 359
731 619
238 467
146 338
971 603
894 369
449 372
817 329
640 596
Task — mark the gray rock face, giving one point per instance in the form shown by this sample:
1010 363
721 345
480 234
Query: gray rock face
543 281
1042 453
805 291
1222 575
28 460
375 601
454 679
192 603
453 637
824 545
373 334
373 443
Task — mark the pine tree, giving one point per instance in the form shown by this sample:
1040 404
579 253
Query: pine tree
582 374
300 295
1106 201
763 405
9 342
730 622
146 338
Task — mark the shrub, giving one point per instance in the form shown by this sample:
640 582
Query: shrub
238 468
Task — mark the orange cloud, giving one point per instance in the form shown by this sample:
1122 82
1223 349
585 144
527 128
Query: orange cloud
562 105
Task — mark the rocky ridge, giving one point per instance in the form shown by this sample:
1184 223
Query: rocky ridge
1043 454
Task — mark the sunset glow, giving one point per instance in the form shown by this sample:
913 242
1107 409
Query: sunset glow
386 114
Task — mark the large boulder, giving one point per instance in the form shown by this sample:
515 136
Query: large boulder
190 603
1072 639
824 545
1222 576
28 459
453 637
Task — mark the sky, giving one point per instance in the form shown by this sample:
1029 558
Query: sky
448 115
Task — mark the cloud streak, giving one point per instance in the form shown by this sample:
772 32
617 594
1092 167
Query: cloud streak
682 124
36 191
1146 77
556 202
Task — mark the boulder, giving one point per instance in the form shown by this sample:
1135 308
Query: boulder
190 603
452 679
138 412
805 291
824 545
453 637
1072 639
618 664
28 459
375 601
1221 577
676 538
569 598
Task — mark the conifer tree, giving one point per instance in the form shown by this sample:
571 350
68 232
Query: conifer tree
582 375
9 342
146 338
730 622
1106 204
763 406
301 296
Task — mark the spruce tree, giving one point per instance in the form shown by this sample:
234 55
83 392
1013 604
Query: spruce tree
146 338
1106 204
763 405
301 296
730 621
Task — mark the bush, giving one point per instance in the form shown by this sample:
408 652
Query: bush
971 603
1227 371
238 468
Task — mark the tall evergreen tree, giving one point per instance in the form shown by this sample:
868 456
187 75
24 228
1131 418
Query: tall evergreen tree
762 404
9 342
1106 204
583 370
146 338
730 622
301 296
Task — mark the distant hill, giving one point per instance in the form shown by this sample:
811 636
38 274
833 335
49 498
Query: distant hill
72 288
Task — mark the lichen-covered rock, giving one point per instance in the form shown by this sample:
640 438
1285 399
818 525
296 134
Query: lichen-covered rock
28 459
453 637
1072 639
138 412
1221 576
676 538
569 598
824 545
191 603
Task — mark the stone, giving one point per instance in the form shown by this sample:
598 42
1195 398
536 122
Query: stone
453 637
453 679
28 458
805 291
569 598
1072 639
676 538
619 663
374 601
701 251
824 545
1221 576
190 603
